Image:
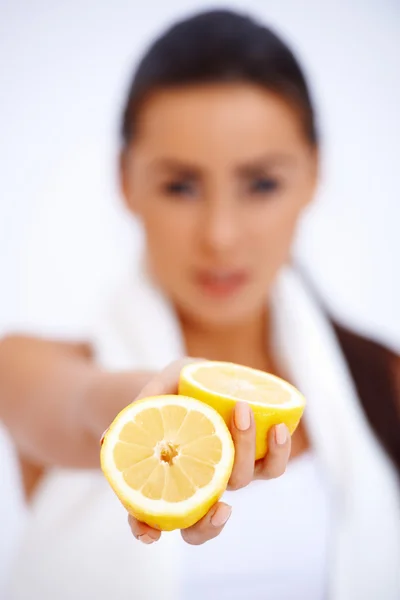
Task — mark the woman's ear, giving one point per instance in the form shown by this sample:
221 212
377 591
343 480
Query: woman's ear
125 182
314 172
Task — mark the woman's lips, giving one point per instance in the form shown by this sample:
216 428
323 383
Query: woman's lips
221 283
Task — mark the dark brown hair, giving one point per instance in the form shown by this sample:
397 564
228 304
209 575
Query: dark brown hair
219 46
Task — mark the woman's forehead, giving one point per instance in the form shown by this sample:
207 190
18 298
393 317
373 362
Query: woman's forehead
236 120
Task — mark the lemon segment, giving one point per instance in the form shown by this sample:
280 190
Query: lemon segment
220 385
168 459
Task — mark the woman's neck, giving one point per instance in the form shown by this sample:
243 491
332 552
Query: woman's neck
245 343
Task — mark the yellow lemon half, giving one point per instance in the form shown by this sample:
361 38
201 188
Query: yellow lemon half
221 385
168 459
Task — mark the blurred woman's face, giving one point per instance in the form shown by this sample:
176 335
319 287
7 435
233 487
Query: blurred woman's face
218 175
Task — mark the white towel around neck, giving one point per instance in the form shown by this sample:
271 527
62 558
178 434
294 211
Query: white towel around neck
75 517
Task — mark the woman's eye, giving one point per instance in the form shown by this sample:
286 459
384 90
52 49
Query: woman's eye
180 188
263 185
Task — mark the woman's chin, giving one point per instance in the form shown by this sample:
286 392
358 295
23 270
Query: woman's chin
221 315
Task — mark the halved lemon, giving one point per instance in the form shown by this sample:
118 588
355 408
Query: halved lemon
168 459
221 385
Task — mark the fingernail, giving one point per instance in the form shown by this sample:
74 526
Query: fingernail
281 434
242 416
221 515
146 539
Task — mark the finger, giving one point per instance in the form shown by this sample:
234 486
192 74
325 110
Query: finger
142 532
166 382
209 526
243 432
275 462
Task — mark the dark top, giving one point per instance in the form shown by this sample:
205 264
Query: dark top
372 367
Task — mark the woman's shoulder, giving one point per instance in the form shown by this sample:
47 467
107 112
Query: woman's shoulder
375 369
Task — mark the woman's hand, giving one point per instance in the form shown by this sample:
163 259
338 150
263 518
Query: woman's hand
243 431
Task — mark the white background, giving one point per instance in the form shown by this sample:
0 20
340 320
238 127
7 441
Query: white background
64 67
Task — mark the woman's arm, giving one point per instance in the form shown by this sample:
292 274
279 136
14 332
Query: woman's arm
56 402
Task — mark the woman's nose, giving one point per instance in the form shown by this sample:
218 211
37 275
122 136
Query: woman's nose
221 226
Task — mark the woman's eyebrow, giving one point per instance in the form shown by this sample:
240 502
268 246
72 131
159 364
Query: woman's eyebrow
175 165
263 163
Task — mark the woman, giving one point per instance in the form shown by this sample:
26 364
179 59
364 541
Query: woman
219 160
